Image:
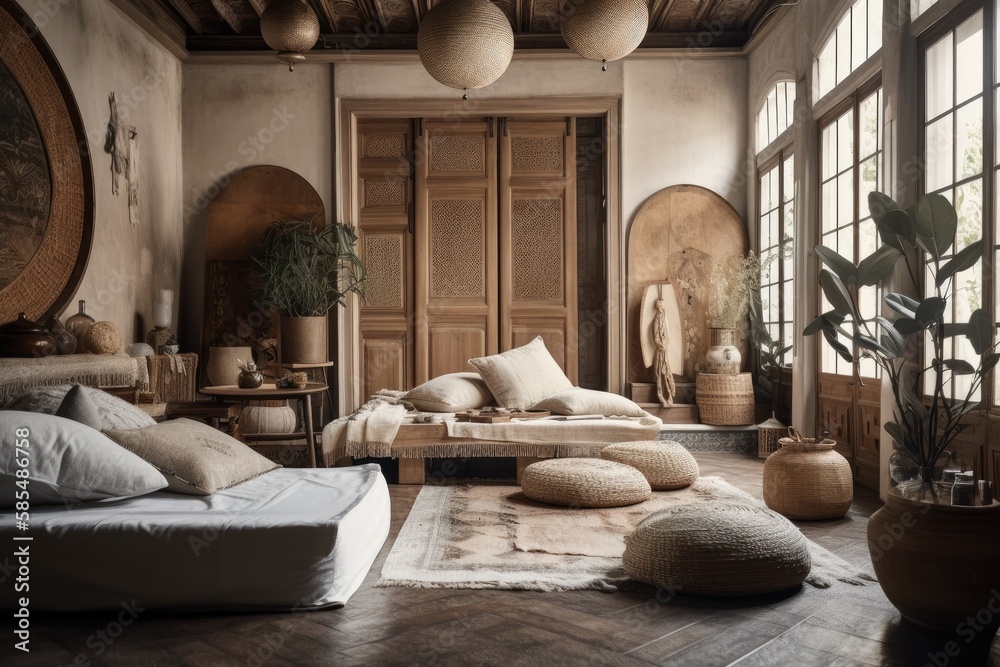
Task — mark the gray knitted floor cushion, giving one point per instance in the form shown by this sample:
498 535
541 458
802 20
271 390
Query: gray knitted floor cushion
665 464
717 548
579 482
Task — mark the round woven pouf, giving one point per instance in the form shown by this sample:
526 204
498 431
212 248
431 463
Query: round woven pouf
808 480
666 465
717 548
584 483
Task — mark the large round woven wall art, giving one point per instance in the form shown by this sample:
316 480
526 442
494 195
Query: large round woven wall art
46 186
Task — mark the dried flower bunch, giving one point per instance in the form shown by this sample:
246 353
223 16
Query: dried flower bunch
732 285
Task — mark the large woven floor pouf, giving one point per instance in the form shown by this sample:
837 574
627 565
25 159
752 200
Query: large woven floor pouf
666 465
717 548
584 483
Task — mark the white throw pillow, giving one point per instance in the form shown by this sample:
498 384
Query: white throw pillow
67 462
579 401
115 413
452 392
196 458
523 376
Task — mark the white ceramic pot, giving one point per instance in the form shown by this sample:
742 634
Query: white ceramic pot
723 357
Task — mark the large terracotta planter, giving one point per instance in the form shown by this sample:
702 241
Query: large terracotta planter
808 480
304 340
939 565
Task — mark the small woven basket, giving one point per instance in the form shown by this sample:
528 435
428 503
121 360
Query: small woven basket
725 400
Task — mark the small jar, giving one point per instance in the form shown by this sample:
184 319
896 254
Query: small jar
250 377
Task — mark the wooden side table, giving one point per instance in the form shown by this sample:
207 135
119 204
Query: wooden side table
268 392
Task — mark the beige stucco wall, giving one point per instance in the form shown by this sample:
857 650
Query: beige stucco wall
101 51
684 121
237 116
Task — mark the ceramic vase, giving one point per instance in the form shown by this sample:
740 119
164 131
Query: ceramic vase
723 357
938 564
808 480
78 325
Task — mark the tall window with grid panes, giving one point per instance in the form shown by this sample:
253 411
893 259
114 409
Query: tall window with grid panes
850 166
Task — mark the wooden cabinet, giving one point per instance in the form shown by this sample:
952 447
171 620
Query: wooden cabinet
469 237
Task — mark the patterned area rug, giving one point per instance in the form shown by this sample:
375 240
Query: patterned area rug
492 536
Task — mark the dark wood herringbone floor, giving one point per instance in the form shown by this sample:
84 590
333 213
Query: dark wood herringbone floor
398 626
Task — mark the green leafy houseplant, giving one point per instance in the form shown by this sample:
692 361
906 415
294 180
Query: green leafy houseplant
921 433
303 271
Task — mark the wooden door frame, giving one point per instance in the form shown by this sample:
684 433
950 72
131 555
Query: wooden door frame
346 208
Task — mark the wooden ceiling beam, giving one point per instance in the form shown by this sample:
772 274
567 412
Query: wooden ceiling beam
190 16
408 42
708 8
259 6
237 14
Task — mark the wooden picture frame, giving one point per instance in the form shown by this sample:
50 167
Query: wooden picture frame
46 179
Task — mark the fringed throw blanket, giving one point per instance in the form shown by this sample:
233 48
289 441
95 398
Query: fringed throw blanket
369 431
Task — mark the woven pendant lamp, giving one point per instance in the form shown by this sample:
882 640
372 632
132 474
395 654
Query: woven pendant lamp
465 43
290 27
605 29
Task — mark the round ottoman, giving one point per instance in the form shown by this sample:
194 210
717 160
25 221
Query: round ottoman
717 548
666 465
808 480
584 483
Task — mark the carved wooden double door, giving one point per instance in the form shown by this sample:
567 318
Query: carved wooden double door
468 233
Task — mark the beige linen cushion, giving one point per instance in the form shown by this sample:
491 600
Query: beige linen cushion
452 392
195 458
579 401
523 376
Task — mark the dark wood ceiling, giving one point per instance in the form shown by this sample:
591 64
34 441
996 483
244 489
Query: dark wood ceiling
234 25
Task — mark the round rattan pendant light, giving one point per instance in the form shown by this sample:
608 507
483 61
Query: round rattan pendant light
465 43
290 27
605 29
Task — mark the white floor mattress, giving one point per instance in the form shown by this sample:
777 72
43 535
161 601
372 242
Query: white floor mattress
289 539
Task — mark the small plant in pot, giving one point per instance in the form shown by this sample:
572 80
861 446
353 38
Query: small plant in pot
936 561
303 271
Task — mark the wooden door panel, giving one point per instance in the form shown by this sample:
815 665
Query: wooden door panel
452 344
386 248
553 332
384 359
456 288
538 238
835 405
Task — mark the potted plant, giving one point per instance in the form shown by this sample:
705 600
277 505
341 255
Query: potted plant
304 271
936 562
732 285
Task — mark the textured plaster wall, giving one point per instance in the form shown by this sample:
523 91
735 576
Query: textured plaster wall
101 51
684 121
236 116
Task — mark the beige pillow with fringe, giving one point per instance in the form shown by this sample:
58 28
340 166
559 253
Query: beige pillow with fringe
579 401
